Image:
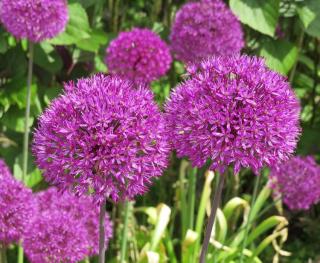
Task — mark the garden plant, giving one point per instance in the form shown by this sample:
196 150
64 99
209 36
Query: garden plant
159 131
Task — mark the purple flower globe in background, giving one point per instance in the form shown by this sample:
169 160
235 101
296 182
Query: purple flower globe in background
139 55
233 111
78 217
297 181
17 207
203 29
102 137
35 20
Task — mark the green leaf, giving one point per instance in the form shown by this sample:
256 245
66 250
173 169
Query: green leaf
261 15
78 27
280 55
46 57
309 13
97 38
33 178
14 119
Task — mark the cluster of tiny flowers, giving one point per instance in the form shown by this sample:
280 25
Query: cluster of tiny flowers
233 111
297 181
35 20
102 137
16 207
139 55
66 228
203 29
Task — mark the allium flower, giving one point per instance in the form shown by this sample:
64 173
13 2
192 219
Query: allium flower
298 181
16 207
84 212
54 237
203 29
35 20
233 111
139 55
102 137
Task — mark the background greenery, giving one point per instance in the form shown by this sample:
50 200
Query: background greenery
164 223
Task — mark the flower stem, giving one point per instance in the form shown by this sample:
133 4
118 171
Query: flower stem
254 197
215 204
27 115
191 197
125 232
3 255
102 245
26 131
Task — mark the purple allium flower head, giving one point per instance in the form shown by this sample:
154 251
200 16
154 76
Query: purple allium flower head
85 214
203 29
35 20
139 55
102 137
233 111
298 181
54 237
16 207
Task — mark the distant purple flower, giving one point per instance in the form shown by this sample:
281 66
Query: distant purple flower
102 137
233 111
85 214
139 55
298 181
35 20
54 237
16 207
203 29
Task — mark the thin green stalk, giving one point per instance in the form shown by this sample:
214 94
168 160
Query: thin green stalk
102 245
215 204
254 197
183 204
125 232
3 255
205 196
26 130
27 115
191 197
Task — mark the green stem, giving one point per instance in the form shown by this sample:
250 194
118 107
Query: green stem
191 197
3 255
254 197
27 115
215 204
125 232
20 254
183 204
102 246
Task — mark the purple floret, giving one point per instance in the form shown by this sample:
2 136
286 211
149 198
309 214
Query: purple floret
35 20
102 137
203 29
84 213
138 55
17 207
233 111
297 181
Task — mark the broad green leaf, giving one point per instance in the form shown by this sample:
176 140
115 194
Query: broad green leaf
46 57
78 27
261 15
97 38
14 119
280 55
309 13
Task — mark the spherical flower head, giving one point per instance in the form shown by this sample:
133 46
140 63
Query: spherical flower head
102 137
203 29
233 111
54 237
297 181
139 55
84 212
35 20
17 207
